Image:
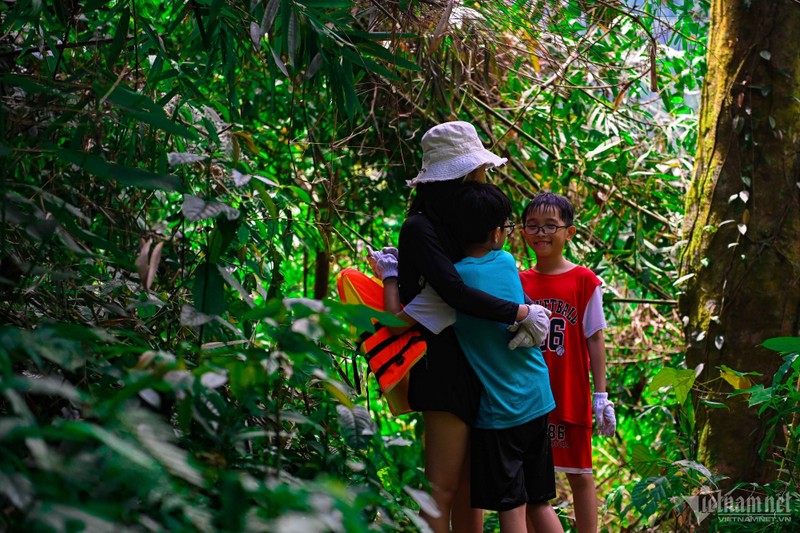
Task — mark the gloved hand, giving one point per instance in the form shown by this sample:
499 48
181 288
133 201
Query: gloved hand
604 414
391 250
384 264
531 330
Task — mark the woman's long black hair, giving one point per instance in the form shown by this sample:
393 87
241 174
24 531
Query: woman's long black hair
436 200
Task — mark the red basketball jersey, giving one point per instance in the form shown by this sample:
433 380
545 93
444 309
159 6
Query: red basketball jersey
565 351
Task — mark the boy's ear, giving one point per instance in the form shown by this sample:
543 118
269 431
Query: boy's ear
498 235
571 231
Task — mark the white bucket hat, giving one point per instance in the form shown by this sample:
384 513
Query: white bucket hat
452 150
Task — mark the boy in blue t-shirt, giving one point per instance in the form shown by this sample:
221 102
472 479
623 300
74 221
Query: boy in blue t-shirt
511 459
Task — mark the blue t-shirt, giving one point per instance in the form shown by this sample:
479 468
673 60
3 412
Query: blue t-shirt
516 381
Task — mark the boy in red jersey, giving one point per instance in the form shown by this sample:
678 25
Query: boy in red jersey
573 347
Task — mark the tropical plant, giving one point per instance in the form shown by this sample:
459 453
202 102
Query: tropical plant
182 182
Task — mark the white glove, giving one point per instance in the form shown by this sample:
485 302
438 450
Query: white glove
604 414
531 330
384 264
391 250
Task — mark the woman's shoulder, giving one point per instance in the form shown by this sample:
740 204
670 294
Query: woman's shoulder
417 223
415 219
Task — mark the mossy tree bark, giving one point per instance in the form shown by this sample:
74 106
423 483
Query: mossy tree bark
743 221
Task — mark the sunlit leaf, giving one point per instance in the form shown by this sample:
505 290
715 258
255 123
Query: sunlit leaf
738 380
680 379
426 503
610 143
212 380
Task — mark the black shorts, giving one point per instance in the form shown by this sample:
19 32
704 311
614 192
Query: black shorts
443 379
511 466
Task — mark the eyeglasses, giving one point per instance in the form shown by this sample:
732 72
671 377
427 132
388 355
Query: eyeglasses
509 227
547 229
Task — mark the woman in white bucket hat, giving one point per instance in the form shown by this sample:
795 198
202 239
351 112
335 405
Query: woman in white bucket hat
443 386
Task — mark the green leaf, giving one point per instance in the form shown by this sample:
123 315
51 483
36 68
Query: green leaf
47 386
649 493
209 290
759 394
357 426
120 37
129 450
361 316
270 309
713 405
301 194
680 379
27 84
134 177
143 108
221 238
783 344
644 462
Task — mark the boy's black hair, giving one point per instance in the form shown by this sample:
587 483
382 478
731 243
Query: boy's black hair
481 207
545 201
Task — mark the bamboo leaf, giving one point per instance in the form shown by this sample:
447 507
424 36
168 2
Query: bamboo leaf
194 209
269 15
313 67
292 37
208 292
134 177
279 63
256 35
143 108
120 37
155 260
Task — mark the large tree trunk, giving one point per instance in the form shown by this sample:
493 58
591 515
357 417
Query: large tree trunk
744 252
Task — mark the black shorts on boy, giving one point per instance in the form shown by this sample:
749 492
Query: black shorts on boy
511 466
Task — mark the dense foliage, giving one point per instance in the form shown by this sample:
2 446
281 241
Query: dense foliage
182 181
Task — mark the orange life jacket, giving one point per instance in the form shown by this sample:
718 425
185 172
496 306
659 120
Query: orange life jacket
388 356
